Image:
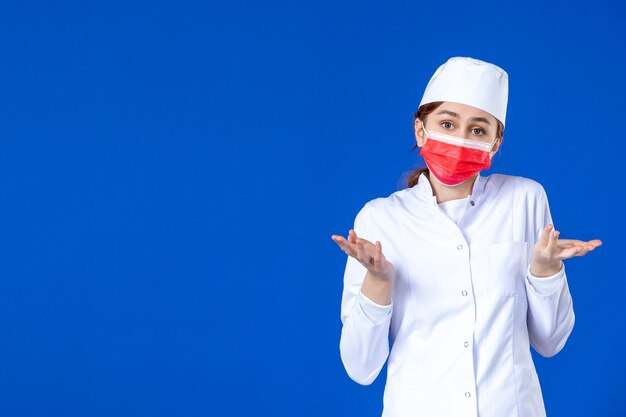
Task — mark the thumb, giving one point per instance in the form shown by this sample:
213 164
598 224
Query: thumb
544 238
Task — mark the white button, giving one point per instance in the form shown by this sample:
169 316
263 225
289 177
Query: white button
459 247
464 293
466 344
467 395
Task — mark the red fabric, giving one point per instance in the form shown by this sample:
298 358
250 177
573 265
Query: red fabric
453 164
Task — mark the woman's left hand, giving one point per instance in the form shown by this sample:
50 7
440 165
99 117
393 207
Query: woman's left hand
549 251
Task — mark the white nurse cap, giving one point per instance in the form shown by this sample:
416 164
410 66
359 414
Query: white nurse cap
472 82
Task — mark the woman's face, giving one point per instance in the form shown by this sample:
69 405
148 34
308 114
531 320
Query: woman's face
459 120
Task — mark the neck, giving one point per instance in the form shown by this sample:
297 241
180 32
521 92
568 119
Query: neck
445 193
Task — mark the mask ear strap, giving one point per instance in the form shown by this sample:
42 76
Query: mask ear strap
424 127
492 153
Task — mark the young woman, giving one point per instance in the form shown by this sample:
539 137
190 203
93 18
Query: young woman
454 278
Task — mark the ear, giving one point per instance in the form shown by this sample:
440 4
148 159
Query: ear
496 145
419 133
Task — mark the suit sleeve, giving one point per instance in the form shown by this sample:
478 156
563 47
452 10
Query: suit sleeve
364 344
550 306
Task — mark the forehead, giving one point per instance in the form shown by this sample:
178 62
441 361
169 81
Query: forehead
463 111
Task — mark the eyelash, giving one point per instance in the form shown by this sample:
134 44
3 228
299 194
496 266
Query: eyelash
482 131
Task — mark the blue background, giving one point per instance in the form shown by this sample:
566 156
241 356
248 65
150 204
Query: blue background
171 174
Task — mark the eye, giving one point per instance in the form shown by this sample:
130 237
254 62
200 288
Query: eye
478 131
447 125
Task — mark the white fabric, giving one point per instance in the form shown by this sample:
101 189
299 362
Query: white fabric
378 312
464 312
472 82
454 208
454 140
546 285
374 311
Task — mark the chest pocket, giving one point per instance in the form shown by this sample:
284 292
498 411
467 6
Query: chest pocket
508 262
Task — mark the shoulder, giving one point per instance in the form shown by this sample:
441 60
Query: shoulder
393 201
386 208
514 184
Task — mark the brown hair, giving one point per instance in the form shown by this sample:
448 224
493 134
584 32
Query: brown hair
422 114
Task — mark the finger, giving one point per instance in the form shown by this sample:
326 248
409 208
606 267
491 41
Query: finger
345 244
352 236
583 251
379 253
568 253
346 247
369 247
358 249
552 242
572 241
361 254
594 242
568 243
585 248
337 238
545 235
579 250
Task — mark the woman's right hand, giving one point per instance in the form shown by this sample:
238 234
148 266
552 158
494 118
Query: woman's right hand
370 255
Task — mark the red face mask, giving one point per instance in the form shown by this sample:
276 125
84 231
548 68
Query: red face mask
453 160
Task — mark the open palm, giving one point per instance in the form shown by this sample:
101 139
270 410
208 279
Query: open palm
549 251
369 254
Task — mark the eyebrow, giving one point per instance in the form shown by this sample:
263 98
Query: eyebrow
473 119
